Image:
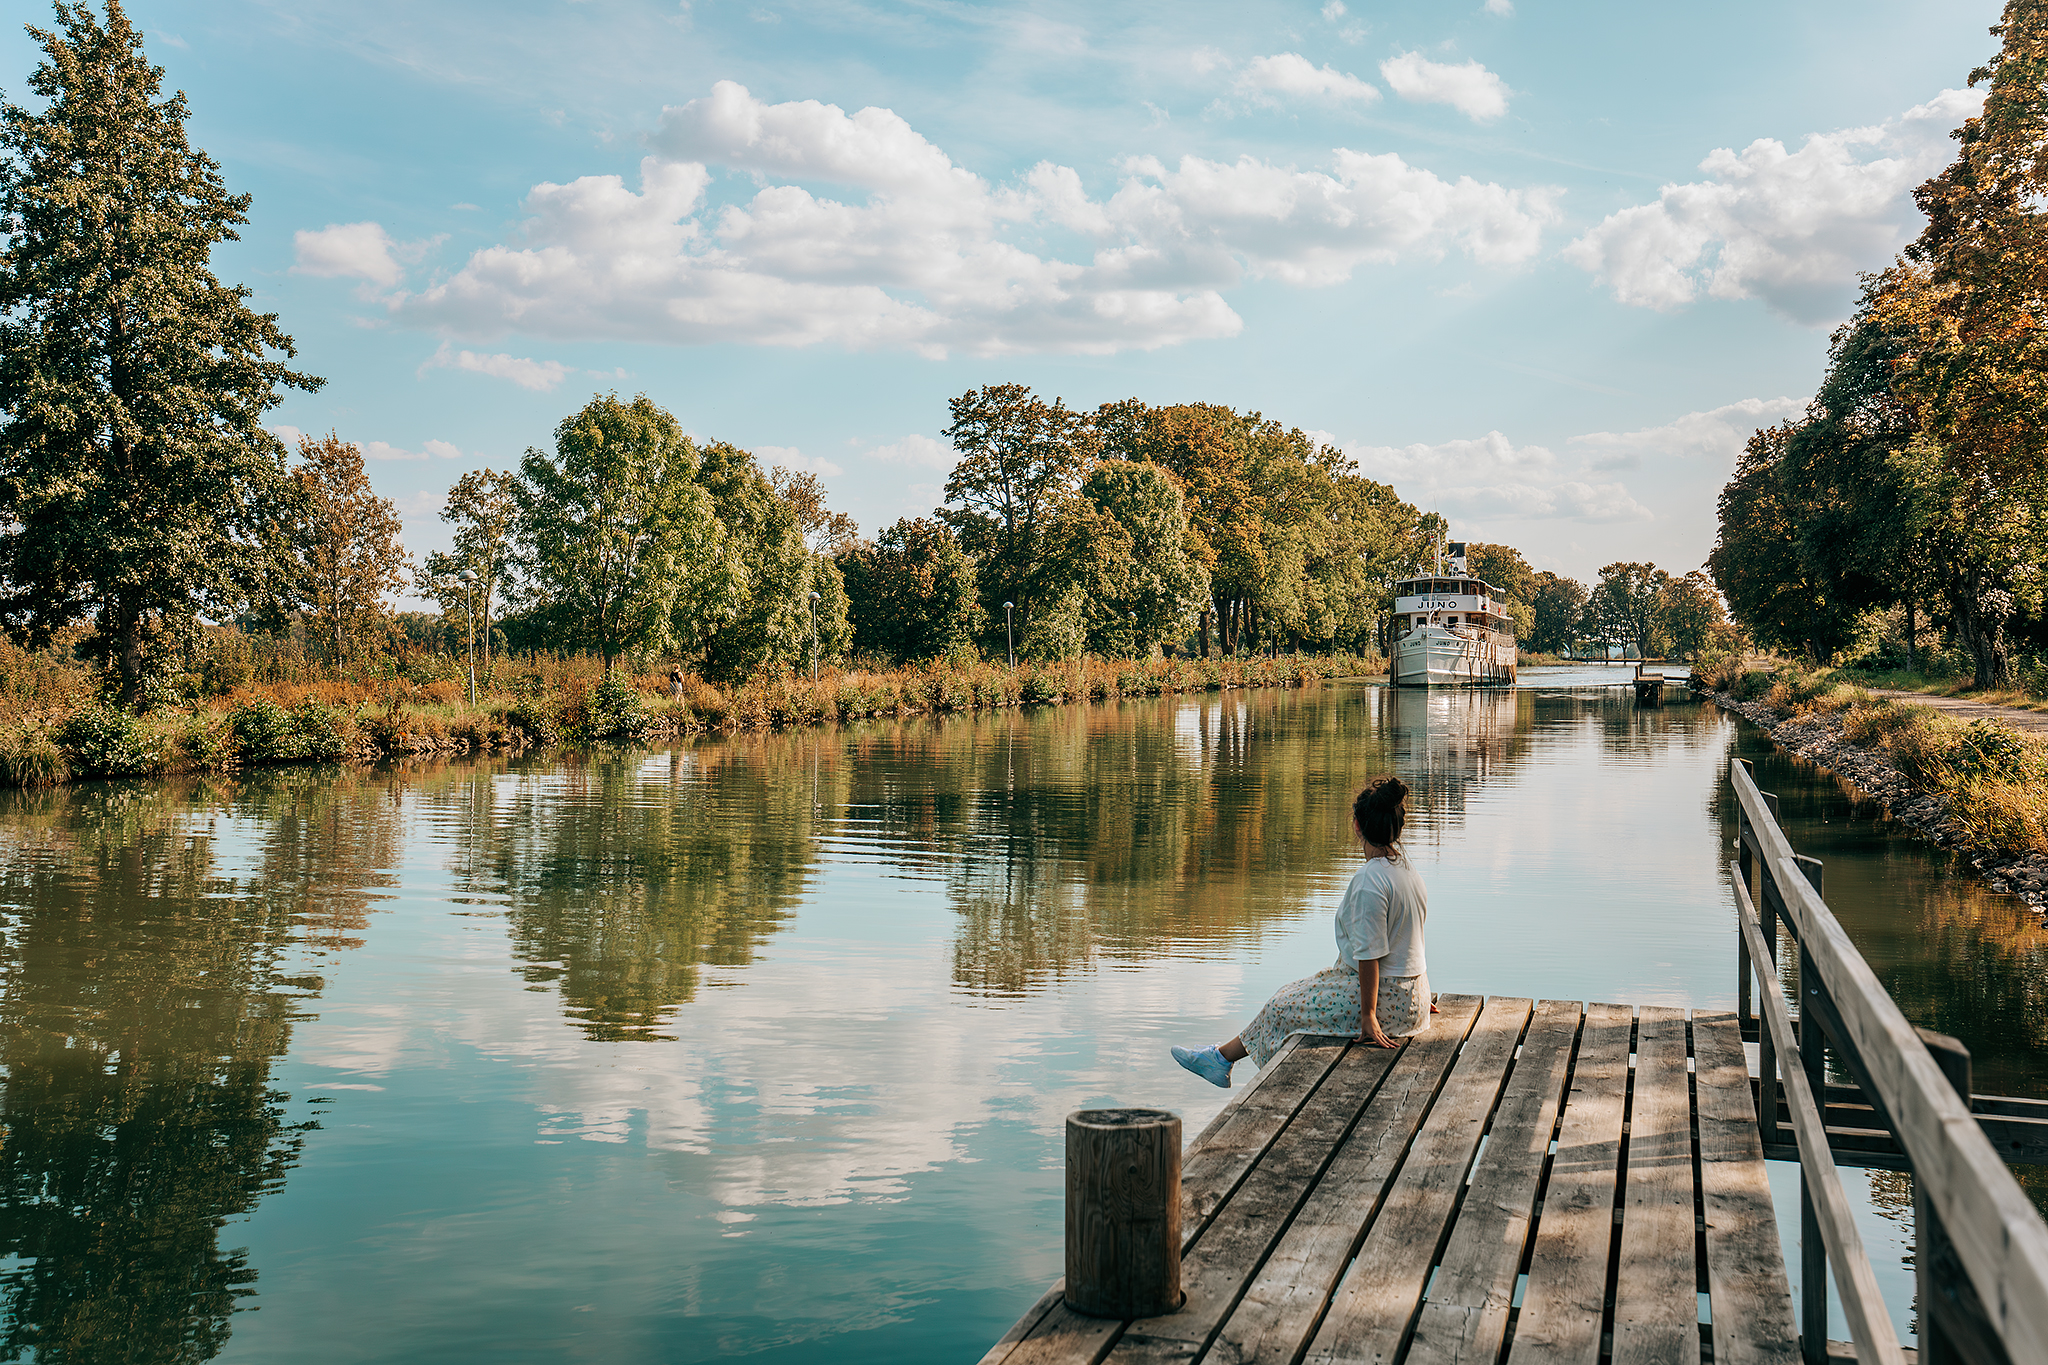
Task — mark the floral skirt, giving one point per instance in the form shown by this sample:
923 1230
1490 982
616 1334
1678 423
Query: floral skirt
1328 1003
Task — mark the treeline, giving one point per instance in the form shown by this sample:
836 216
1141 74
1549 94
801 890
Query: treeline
1632 607
1910 500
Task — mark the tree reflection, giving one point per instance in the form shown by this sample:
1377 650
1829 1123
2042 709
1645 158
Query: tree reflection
625 873
143 1000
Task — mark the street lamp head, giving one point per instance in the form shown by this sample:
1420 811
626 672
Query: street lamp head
1008 605
814 597
467 576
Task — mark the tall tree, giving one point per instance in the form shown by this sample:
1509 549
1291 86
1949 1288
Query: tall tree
765 625
613 528
1623 605
1973 288
1687 611
135 473
1557 604
482 508
1019 458
346 543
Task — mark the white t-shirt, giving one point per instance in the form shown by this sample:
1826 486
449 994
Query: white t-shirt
1381 917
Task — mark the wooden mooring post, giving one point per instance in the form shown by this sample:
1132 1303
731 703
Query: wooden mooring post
1123 1212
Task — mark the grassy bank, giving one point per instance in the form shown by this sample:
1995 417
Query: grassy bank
1993 778
55 725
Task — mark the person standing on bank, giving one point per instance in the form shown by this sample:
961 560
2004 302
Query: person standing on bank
1378 990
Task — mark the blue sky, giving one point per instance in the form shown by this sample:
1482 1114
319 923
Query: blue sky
1540 266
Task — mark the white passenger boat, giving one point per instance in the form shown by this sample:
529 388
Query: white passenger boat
1452 630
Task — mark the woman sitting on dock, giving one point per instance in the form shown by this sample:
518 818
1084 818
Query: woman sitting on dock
1378 990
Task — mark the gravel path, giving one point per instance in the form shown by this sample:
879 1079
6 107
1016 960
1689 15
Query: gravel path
1962 708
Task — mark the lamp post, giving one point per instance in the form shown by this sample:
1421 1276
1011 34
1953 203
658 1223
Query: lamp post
814 637
468 580
1009 633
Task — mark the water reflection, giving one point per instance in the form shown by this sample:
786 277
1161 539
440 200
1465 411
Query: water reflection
150 977
625 873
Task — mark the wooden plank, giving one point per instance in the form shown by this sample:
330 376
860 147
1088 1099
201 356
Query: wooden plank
1064 1337
1280 1309
1862 1304
1656 1303
1746 1284
1999 1236
1215 1272
1566 1296
1236 1138
1022 1328
1466 1315
1377 1301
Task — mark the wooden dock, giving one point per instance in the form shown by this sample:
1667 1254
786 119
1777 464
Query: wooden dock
1566 1183
1546 1183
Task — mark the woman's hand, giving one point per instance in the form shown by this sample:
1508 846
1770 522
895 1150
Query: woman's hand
1372 1033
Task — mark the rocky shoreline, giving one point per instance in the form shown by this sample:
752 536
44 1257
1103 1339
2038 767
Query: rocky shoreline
1818 739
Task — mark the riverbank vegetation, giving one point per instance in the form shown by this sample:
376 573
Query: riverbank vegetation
1992 778
260 706
1908 508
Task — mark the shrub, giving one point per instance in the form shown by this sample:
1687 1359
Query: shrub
265 732
103 741
1038 686
29 757
614 710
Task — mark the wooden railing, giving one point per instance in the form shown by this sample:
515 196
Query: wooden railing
1981 1254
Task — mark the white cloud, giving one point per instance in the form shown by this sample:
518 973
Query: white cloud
920 452
1467 87
1504 8
540 376
443 450
1716 435
1334 11
922 257
1490 476
1790 228
359 251
795 461
384 450
289 435
1290 73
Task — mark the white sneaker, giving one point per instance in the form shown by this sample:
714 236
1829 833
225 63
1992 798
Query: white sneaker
1207 1063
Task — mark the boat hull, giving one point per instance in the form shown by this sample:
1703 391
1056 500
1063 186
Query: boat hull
1440 657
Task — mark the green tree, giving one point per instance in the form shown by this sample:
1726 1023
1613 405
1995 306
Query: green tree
1123 558
346 548
1557 604
1019 458
825 531
135 473
1687 612
1504 567
1969 297
482 507
911 593
613 530
1623 605
766 623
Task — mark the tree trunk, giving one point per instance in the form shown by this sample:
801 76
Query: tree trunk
129 642
1912 629
1202 632
1980 614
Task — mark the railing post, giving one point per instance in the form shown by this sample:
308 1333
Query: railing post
1954 1328
1813 1251
1766 1050
1745 1002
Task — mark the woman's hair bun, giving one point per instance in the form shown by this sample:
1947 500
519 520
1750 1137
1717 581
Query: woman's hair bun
1381 810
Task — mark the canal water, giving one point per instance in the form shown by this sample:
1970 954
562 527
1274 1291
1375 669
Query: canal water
761 1047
